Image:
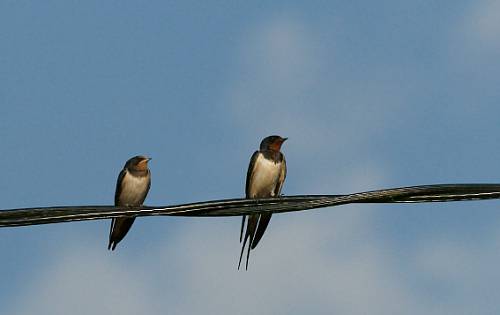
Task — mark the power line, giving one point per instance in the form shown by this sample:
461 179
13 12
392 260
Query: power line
237 207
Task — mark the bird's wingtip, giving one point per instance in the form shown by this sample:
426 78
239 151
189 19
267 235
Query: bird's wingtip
112 245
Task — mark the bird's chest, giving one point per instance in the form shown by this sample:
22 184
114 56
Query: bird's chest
265 178
134 189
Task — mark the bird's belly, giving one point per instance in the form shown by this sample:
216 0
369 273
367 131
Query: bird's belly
133 191
265 180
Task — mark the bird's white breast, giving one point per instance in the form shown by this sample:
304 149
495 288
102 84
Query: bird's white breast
265 177
133 189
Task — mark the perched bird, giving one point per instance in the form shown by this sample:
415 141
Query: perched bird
265 177
132 187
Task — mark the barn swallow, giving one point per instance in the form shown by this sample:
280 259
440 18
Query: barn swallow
265 177
132 187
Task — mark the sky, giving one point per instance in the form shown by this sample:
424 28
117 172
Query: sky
370 94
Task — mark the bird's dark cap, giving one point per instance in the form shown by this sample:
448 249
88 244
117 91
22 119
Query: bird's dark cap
272 143
136 160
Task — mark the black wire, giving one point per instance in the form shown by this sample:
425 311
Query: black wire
238 207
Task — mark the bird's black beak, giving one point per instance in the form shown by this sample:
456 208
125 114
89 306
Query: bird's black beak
284 139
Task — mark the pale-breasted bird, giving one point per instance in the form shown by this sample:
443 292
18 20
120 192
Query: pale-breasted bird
132 187
265 177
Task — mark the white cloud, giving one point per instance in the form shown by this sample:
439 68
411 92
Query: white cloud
308 263
287 84
283 53
279 64
475 37
483 24
462 271
84 281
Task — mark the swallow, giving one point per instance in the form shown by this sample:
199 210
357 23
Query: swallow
132 187
265 178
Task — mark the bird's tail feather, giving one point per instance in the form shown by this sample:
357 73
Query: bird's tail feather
261 228
110 243
242 227
249 234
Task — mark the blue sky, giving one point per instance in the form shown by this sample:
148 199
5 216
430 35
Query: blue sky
371 95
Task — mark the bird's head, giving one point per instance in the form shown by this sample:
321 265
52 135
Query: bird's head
138 163
272 143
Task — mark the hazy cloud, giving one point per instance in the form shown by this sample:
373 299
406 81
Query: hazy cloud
85 281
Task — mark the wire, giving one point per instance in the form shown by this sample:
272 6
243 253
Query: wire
238 207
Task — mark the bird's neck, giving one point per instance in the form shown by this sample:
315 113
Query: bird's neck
138 172
274 155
